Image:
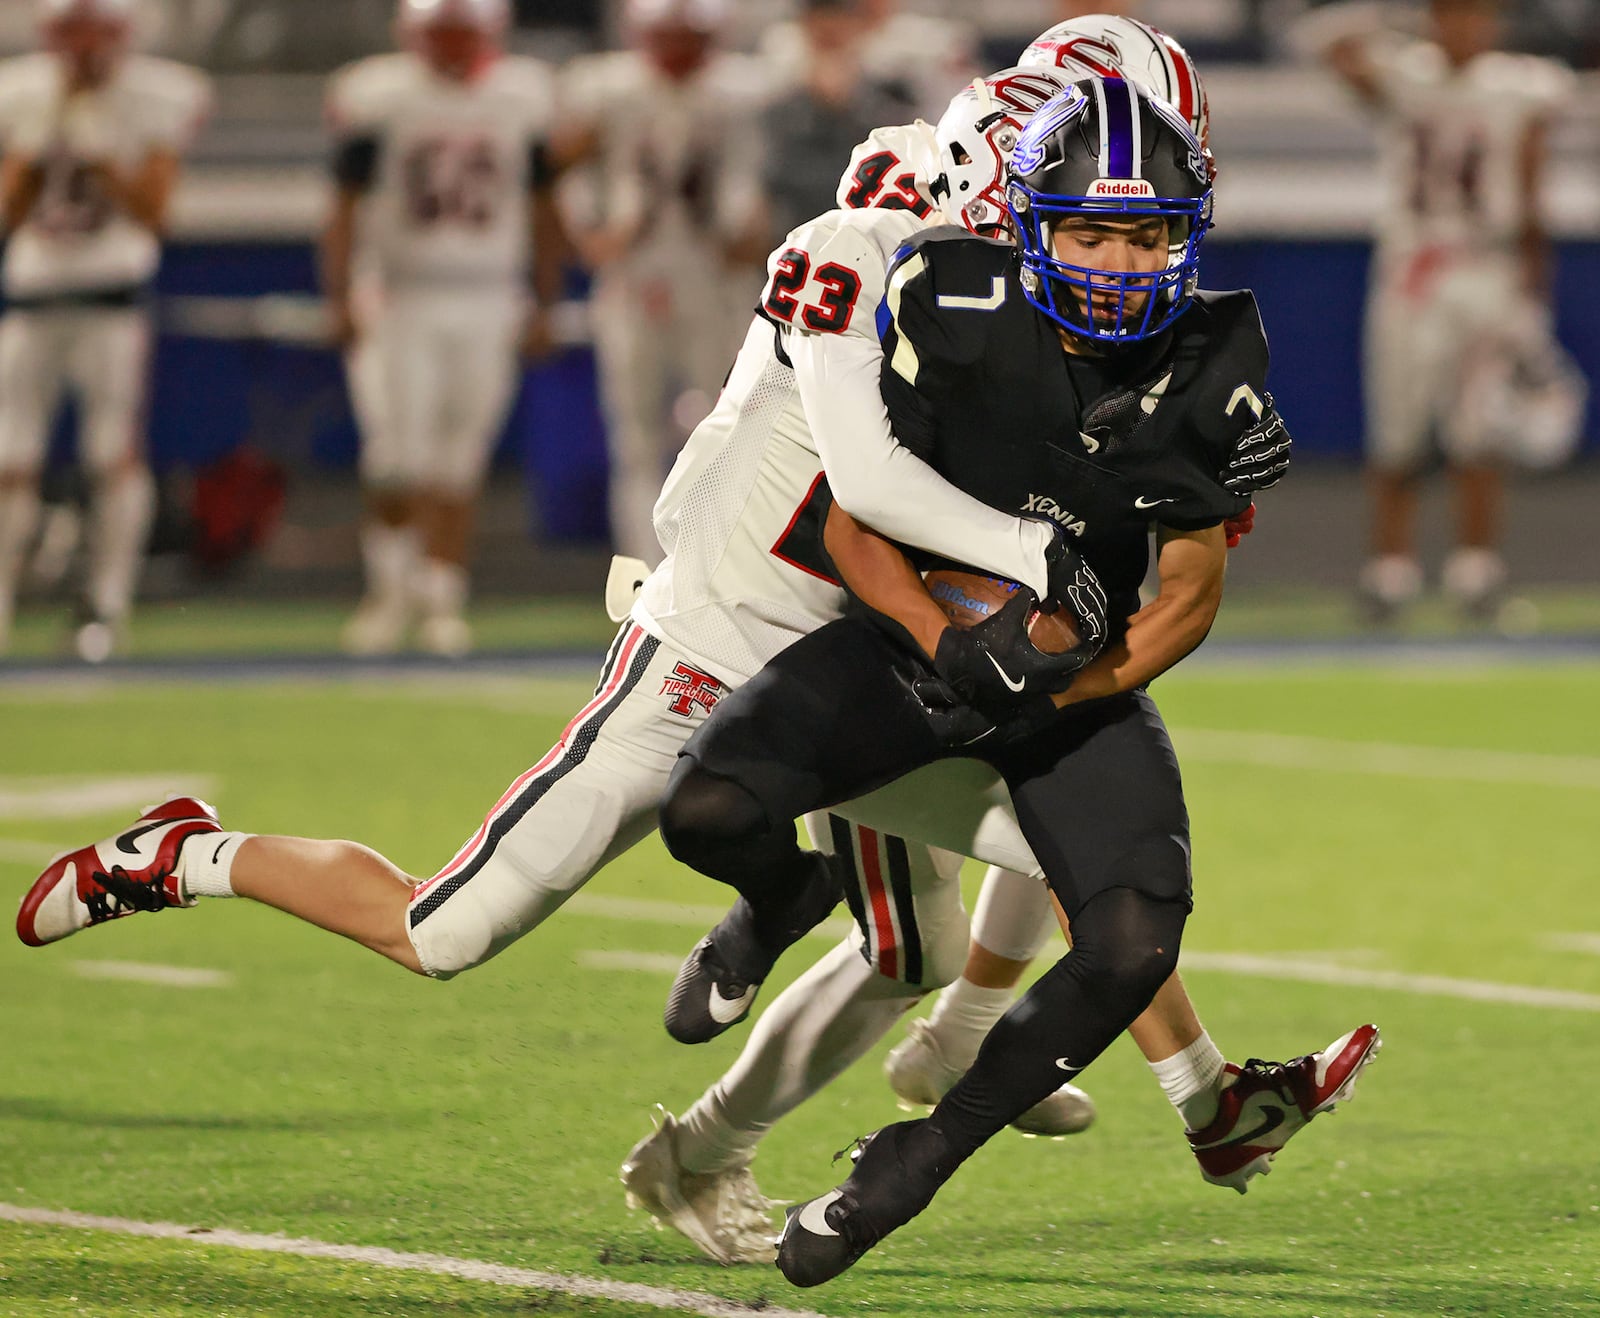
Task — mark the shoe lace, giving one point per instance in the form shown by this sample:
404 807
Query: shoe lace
118 892
1276 1076
854 1149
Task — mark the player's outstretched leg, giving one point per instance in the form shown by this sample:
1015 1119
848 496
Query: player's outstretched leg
1264 1104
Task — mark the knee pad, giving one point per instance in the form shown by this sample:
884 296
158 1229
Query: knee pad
1125 945
705 817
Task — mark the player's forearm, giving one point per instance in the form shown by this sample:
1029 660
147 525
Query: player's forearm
1166 630
21 182
886 486
879 575
334 252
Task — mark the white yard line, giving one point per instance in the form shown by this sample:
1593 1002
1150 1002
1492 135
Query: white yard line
493 1274
1328 754
1438 986
139 972
68 797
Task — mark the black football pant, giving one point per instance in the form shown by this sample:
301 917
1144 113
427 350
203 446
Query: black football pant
1096 791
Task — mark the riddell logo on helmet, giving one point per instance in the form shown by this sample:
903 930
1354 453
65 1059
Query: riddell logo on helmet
1121 187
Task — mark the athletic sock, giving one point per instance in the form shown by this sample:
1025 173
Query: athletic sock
120 514
963 1017
390 555
205 864
826 1020
442 588
1192 1080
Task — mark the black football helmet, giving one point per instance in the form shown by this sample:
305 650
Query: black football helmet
1107 148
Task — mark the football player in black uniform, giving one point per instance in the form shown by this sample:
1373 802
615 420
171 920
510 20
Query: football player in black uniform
1076 374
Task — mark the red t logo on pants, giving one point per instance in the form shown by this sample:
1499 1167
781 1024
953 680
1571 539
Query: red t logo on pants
690 687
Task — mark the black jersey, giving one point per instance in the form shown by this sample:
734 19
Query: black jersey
978 385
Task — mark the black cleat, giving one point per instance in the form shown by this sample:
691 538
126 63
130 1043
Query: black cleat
718 981
826 1235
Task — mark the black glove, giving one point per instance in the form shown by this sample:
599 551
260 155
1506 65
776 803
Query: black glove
1074 587
959 725
1260 456
994 665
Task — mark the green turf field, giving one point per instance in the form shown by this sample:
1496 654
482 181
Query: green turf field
317 1092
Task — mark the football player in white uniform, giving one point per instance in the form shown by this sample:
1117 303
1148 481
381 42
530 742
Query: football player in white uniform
675 232
92 136
738 518
1459 300
443 215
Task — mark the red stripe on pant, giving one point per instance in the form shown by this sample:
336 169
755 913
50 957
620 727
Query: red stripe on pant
878 898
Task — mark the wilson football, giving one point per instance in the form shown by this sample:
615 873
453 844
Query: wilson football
967 598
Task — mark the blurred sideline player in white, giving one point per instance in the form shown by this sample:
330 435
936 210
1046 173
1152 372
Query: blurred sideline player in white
443 215
1458 311
92 136
735 590
918 59
674 231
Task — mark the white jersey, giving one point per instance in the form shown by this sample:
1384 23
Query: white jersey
77 242
447 204
739 516
1450 145
678 159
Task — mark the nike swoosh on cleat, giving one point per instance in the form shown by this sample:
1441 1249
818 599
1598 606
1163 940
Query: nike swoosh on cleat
1067 1066
125 842
1271 1119
813 1216
726 1010
1006 677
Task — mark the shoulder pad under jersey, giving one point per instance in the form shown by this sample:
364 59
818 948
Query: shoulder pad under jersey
889 170
943 288
828 276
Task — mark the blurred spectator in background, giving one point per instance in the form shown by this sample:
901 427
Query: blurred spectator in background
92 140
811 130
668 215
1459 347
444 204
917 60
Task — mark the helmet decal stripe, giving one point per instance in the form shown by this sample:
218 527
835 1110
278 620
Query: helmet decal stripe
1185 81
1119 154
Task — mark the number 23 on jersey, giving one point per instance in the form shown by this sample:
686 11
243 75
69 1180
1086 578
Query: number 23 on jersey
823 298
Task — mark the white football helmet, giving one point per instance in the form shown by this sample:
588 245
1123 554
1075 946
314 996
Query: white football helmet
973 140
1111 46
457 38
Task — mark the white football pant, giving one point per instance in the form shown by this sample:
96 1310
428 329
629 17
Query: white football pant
431 382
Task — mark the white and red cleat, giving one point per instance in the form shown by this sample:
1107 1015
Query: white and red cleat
1263 1104
134 871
